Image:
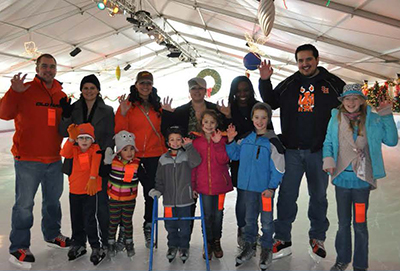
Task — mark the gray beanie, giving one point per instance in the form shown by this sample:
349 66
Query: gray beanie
263 106
123 139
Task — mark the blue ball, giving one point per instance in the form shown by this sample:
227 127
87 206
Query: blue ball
251 61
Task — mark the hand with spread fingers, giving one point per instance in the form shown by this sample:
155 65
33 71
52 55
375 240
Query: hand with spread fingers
167 104
265 69
125 104
66 106
17 83
226 110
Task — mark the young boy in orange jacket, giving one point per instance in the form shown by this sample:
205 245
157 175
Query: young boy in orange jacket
84 183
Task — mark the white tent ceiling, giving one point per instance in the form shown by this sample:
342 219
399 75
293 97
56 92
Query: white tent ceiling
357 39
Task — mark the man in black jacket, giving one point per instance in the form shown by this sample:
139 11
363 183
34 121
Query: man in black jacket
305 100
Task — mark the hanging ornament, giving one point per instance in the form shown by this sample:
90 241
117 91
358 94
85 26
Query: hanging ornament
251 61
118 72
31 50
266 15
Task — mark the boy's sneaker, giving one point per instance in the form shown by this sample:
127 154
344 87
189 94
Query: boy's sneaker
130 249
265 258
318 248
249 251
60 241
184 254
338 266
97 255
75 252
218 252
171 253
147 233
22 258
112 248
281 249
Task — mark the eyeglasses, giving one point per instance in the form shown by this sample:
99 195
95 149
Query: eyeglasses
84 138
146 83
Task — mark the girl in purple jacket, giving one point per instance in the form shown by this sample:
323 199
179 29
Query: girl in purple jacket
211 179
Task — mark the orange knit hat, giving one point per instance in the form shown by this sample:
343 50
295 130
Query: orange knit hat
86 129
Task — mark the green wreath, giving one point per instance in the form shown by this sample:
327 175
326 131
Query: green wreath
217 79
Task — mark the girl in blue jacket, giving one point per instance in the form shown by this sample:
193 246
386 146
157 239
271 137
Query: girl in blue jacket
353 157
260 172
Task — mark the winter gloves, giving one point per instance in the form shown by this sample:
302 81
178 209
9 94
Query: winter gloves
73 131
66 106
91 187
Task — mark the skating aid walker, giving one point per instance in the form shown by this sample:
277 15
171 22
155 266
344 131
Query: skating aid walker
154 230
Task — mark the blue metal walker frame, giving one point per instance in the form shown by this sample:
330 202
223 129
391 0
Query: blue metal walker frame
154 229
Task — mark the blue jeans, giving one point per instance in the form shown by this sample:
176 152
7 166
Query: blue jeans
29 175
253 209
212 217
179 230
345 200
298 162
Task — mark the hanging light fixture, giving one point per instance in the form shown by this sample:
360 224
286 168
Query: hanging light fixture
102 4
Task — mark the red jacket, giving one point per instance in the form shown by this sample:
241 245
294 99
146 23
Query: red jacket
146 140
36 114
84 165
211 177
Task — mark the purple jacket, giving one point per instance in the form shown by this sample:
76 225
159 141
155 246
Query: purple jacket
211 177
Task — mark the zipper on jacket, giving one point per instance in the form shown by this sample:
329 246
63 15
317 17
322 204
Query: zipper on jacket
258 152
209 167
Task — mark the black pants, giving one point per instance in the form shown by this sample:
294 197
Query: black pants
103 214
147 174
83 220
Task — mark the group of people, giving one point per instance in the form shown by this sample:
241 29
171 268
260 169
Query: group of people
197 148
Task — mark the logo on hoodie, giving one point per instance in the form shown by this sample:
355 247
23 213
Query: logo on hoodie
306 99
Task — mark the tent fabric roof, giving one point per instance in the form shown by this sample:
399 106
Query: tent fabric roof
357 39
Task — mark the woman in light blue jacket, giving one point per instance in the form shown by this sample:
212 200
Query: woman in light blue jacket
353 157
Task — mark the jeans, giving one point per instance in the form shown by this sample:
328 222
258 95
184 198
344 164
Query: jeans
298 162
147 174
29 175
179 230
212 217
254 207
83 209
345 200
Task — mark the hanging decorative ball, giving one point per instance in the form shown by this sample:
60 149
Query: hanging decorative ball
266 15
217 80
118 72
251 61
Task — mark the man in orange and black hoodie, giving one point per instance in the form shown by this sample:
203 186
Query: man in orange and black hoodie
34 107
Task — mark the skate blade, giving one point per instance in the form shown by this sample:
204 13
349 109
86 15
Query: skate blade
282 253
317 259
57 246
23 265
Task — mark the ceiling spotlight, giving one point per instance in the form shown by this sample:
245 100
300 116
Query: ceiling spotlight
127 67
115 9
76 51
102 4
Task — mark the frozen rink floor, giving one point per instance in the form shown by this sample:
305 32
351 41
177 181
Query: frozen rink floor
383 217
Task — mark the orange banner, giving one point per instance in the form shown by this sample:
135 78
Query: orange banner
167 211
360 212
266 204
221 200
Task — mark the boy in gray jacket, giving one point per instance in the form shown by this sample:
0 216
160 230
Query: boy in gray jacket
173 181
